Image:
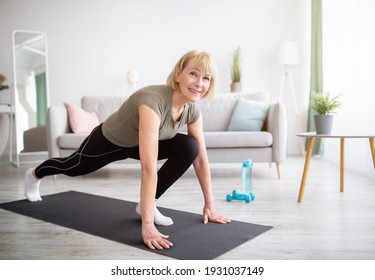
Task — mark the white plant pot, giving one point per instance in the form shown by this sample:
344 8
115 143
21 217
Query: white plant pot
235 87
323 124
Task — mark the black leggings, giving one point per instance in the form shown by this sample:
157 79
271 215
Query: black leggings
96 151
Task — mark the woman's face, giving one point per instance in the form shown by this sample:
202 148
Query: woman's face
193 82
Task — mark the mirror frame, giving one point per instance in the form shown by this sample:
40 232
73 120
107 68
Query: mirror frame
16 156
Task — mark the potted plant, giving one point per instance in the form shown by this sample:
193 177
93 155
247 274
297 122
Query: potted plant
2 80
325 106
236 72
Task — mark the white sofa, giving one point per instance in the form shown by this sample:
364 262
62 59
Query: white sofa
267 145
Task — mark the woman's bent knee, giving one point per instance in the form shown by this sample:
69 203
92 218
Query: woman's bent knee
190 146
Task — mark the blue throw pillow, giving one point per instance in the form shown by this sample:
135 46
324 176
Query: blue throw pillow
248 115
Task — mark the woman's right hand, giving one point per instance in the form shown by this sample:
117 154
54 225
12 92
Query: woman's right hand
154 239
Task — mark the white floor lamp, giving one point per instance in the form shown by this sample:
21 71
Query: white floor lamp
287 55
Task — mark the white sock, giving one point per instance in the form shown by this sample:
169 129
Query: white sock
32 186
159 218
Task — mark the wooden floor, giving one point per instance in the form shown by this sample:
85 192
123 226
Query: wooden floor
326 225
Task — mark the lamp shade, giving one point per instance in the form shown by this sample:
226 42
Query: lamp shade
287 53
133 76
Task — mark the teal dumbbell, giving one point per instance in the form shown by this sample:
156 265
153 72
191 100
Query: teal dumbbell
240 196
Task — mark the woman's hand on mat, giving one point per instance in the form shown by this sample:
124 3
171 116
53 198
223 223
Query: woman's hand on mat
154 239
210 214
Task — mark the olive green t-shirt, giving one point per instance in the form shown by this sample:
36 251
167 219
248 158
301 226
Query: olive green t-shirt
122 127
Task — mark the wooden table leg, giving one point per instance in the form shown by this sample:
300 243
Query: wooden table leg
310 145
342 163
372 147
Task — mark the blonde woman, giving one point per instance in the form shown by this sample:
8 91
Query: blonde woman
146 128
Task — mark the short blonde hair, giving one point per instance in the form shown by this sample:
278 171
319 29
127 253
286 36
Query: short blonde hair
204 61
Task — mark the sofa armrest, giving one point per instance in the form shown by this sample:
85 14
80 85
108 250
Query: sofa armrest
57 124
277 125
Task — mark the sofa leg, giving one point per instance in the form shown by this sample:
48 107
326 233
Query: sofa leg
278 170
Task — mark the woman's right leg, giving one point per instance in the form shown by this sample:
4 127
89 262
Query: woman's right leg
95 152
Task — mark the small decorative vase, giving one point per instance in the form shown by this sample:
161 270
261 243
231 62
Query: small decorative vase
323 124
235 87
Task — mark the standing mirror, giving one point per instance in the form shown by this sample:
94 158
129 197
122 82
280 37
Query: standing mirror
30 97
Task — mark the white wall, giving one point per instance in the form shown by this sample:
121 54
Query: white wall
93 43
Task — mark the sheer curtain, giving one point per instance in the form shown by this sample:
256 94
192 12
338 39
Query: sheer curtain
349 63
316 77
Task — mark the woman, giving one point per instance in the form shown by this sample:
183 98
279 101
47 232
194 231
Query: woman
145 127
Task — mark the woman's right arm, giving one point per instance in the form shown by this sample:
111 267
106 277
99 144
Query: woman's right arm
148 151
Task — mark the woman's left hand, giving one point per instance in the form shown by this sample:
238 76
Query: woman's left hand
210 214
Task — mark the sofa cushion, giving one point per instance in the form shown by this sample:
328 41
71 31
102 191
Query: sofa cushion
81 121
217 112
217 139
103 106
237 139
248 115
71 140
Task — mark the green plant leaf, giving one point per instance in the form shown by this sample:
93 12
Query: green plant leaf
236 67
323 103
4 87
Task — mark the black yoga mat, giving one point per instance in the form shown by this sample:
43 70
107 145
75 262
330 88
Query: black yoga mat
116 220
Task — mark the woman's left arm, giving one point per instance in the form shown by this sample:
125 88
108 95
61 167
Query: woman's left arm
202 170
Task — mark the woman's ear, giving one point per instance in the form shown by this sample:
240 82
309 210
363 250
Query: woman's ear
178 72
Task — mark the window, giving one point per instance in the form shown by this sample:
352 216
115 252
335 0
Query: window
349 68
